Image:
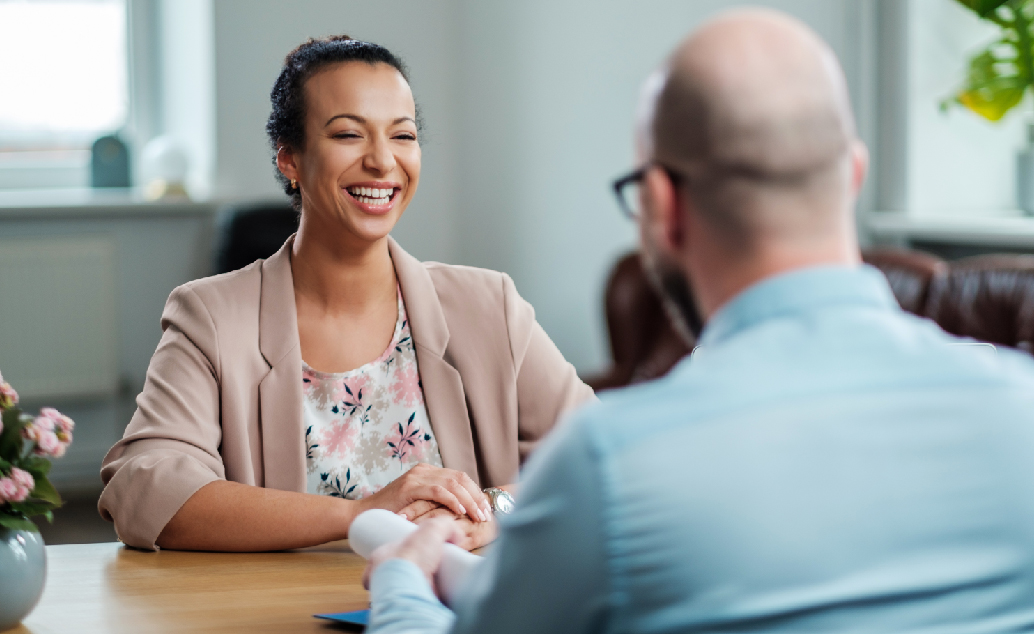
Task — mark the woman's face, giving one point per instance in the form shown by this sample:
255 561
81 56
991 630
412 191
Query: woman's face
361 162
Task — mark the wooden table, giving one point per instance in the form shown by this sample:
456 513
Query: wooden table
109 588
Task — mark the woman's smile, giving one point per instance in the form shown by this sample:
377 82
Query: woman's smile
374 197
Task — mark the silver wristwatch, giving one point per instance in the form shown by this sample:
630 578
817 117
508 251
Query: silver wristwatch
502 502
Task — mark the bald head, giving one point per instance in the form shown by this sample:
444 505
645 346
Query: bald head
752 101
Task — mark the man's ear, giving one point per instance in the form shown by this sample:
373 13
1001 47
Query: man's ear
663 216
859 166
285 162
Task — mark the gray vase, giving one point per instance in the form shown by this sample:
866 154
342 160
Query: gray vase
23 569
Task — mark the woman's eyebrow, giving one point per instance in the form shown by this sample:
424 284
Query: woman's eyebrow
361 120
353 117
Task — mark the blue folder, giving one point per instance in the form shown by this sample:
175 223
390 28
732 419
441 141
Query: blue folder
359 617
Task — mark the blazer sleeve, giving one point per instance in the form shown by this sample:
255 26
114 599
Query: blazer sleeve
547 384
171 446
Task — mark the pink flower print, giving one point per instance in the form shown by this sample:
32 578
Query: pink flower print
308 381
407 442
350 397
339 439
406 390
349 388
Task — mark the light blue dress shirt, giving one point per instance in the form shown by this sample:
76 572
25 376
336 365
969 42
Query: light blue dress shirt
823 462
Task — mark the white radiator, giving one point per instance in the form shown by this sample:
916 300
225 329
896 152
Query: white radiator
57 316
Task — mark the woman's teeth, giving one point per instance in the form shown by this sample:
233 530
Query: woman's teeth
372 195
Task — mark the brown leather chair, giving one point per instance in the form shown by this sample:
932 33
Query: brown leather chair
989 298
909 274
643 344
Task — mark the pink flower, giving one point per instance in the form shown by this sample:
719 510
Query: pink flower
60 421
8 397
23 478
340 439
31 432
11 492
44 423
49 445
406 388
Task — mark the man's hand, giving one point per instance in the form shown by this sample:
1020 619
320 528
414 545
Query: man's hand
423 547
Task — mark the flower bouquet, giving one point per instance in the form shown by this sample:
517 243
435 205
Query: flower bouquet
26 445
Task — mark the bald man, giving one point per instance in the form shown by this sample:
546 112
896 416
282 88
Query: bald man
823 462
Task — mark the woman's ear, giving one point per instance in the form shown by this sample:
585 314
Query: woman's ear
285 162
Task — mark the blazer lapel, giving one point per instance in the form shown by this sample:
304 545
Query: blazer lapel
280 391
442 385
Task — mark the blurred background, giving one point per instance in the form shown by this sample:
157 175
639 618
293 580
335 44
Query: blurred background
131 136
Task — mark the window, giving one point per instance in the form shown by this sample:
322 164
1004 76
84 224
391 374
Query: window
64 79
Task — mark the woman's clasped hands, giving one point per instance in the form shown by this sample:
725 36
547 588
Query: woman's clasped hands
425 492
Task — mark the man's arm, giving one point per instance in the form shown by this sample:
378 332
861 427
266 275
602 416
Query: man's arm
547 572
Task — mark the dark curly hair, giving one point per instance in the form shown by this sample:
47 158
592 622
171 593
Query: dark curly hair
286 123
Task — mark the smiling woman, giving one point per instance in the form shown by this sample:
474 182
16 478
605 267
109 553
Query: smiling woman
340 374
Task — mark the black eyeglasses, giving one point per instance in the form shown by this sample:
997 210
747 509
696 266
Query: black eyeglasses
628 197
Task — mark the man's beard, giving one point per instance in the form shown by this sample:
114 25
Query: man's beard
676 296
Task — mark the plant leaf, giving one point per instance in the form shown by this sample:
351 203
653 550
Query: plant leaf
28 508
16 523
45 491
983 8
11 436
36 465
993 86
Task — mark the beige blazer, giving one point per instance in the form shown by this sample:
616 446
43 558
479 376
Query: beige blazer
223 395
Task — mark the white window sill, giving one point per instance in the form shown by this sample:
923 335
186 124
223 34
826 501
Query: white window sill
93 202
1001 228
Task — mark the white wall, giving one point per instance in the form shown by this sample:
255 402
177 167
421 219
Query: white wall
253 36
188 86
549 90
957 162
529 110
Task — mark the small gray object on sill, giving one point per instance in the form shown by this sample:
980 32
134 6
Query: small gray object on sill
109 163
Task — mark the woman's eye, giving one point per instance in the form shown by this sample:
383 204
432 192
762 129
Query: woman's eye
406 136
346 135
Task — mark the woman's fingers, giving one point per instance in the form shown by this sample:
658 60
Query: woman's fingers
425 484
440 511
451 485
477 496
469 495
418 509
441 495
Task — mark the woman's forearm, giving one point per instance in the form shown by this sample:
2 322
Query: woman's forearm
229 516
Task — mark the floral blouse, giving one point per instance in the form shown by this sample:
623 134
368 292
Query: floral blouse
366 427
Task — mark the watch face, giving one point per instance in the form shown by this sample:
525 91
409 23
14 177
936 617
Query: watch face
504 502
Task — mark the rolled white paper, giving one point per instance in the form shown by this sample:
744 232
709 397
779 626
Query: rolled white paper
377 527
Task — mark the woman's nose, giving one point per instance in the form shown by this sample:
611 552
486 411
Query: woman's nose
379 158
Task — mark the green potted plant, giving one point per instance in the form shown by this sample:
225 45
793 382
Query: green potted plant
27 444
1000 75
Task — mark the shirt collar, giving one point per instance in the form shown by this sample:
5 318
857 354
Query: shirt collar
798 291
